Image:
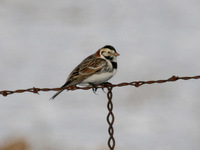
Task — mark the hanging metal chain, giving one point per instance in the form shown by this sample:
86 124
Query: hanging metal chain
110 119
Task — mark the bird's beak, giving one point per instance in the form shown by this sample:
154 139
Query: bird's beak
116 54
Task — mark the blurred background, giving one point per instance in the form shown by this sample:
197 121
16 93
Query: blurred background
42 41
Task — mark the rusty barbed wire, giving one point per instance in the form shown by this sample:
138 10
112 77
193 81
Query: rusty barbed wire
110 119
134 83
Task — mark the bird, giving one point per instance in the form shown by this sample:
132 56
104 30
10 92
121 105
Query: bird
96 69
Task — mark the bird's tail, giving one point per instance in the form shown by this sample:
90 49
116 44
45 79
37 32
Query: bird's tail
54 96
66 84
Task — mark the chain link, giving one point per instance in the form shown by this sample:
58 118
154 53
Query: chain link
110 119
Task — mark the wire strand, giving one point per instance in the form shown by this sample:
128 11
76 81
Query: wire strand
72 88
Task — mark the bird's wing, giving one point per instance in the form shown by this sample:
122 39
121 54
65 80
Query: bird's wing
86 68
92 66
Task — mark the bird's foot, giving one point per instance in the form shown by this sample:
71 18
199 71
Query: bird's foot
94 87
105 85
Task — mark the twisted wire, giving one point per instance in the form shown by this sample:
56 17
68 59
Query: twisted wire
134 83
110 119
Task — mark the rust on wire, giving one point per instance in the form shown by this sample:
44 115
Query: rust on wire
72 88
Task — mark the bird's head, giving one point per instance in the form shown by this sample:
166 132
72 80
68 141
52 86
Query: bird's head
108 52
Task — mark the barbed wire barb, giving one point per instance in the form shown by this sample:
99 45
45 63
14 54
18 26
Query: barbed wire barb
72 88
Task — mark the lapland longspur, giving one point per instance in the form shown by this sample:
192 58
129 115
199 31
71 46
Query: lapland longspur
95 69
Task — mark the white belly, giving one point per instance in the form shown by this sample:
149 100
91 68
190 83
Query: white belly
98 78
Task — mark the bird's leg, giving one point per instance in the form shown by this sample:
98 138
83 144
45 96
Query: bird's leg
106 84
94 87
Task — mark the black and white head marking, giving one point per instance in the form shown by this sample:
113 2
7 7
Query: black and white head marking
109 53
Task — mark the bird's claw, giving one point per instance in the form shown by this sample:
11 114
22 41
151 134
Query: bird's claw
105 85
94 87
103 90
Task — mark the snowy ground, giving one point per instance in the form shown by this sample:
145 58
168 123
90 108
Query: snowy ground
42 41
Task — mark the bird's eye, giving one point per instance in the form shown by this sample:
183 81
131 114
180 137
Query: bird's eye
108 52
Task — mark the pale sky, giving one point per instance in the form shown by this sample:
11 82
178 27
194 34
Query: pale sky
42 41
